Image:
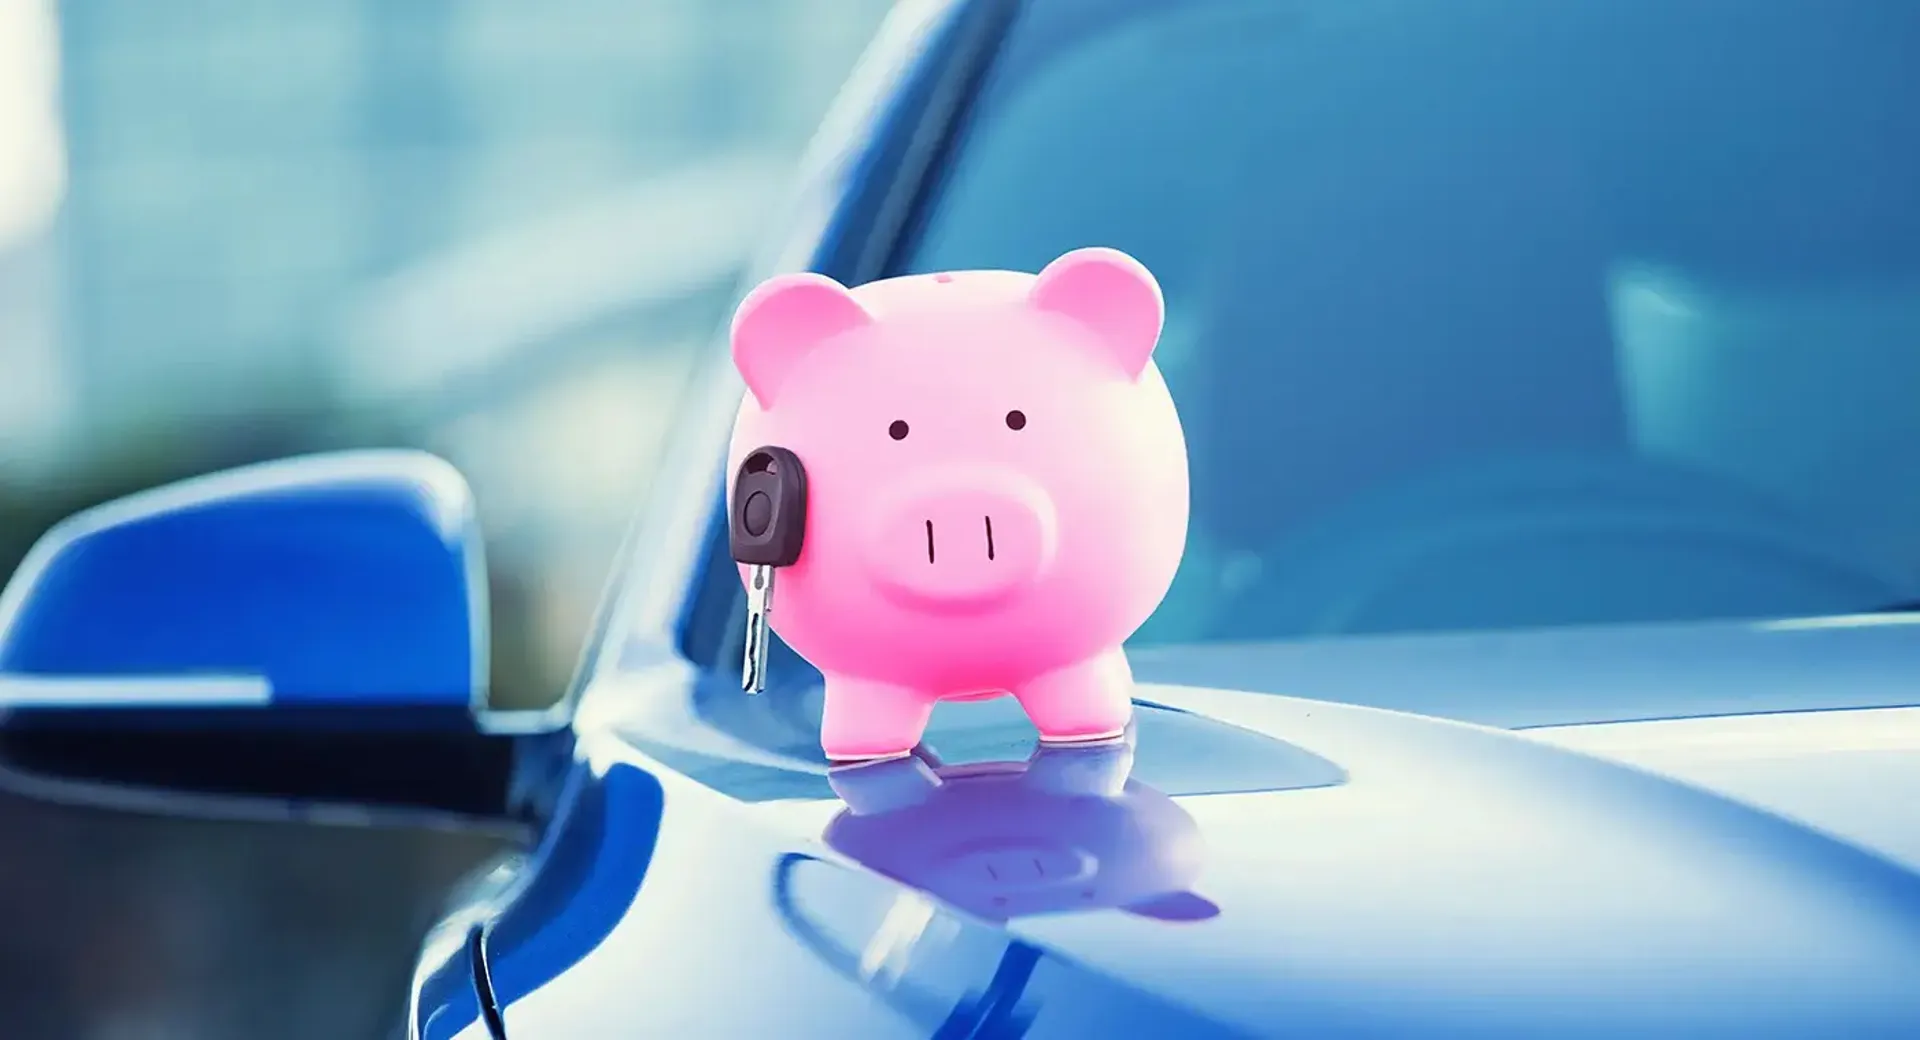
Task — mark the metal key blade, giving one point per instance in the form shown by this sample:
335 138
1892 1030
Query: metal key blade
753 674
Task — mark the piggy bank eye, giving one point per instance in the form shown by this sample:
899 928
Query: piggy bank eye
1016 419
898 431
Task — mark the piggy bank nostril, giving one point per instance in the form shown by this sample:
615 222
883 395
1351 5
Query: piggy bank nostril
929 541
989 538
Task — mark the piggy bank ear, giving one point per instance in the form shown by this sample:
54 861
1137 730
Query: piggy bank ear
1112 294
1176 906
783 319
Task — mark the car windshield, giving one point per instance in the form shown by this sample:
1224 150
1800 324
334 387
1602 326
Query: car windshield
1496 315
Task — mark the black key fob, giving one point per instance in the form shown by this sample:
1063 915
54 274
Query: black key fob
768 519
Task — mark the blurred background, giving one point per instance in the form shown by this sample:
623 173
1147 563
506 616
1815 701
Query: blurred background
232 230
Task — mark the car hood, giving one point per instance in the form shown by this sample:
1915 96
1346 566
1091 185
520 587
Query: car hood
1472 881
1810 719
1571 676
1421 876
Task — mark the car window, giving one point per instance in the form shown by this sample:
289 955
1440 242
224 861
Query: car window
1493 315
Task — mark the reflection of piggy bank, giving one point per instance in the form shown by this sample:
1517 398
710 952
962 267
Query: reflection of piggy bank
1065 831
997 488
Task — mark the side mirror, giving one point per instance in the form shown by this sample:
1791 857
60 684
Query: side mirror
305 631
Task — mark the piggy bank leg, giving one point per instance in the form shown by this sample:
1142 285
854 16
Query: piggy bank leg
864 720
1092 700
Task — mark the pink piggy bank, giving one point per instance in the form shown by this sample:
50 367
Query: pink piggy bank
996 489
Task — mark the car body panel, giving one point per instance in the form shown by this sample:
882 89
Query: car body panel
1568 676
1846 773
690 914
1458 878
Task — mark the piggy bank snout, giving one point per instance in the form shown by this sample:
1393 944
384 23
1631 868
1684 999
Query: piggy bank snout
961 540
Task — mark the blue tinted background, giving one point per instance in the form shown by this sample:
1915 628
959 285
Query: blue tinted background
231 231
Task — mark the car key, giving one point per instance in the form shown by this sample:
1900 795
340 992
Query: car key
765 532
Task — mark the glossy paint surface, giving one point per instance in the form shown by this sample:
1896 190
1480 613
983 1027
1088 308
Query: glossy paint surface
1842 772
333 580
1459 881
1067 830
1560 677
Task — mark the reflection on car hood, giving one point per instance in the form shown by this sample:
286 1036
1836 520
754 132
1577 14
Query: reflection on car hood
1466 881
1428 877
